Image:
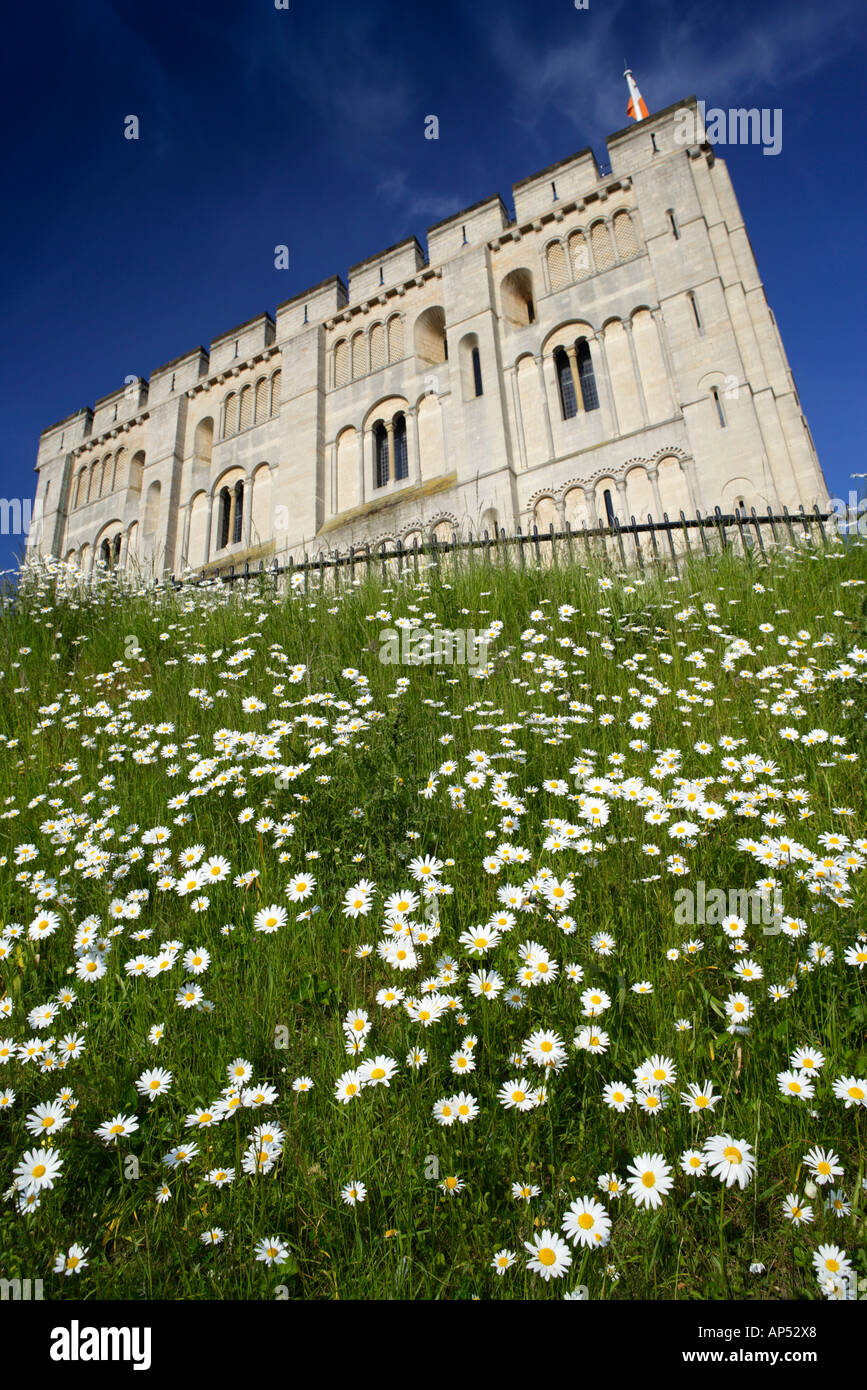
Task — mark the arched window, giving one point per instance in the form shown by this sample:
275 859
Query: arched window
276 389
380 448
230 415
105 554
152 509
262 411
557 273
624 236
246 407
516 294
395 338
586 375
600 240
377 347
359 356
401 460
430 335
609 507
568 403
79 487
477 371
579 256
225 509
237 529
116 549
341 363
203 443
118 480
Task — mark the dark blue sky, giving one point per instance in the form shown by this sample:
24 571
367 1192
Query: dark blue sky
305 126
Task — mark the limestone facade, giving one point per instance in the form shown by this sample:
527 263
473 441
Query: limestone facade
606 351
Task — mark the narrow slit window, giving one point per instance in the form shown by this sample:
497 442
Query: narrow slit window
401 460
477 372
714 390
568 404
696 315
673 220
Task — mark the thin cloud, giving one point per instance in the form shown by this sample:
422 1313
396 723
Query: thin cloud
752 57
395 188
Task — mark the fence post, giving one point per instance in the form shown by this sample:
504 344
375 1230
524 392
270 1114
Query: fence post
744 546
521 555
772 519
367 560
538 547
652 524
788 521
352 564
570 548
821 525
436 549
276 573
721 527
667 525
761 542
685 526
638 555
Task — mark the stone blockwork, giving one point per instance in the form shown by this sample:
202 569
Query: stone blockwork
609 352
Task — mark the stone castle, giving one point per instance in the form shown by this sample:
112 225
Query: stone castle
608 351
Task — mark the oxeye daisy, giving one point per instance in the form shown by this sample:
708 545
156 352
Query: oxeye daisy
72 1261
587 1223
693 1163
503 1260
650 1180
796 1211
550 1256
353 1192
730 1160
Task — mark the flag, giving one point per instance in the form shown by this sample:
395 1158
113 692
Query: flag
637 108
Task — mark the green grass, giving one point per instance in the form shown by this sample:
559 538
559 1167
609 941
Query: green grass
280 1000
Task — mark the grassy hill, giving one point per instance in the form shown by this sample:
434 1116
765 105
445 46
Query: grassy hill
286 919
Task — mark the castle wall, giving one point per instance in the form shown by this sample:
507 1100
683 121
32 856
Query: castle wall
609 352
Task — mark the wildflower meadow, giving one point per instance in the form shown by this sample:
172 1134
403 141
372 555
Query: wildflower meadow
334 967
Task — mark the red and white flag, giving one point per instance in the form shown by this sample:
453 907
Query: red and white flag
637 107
